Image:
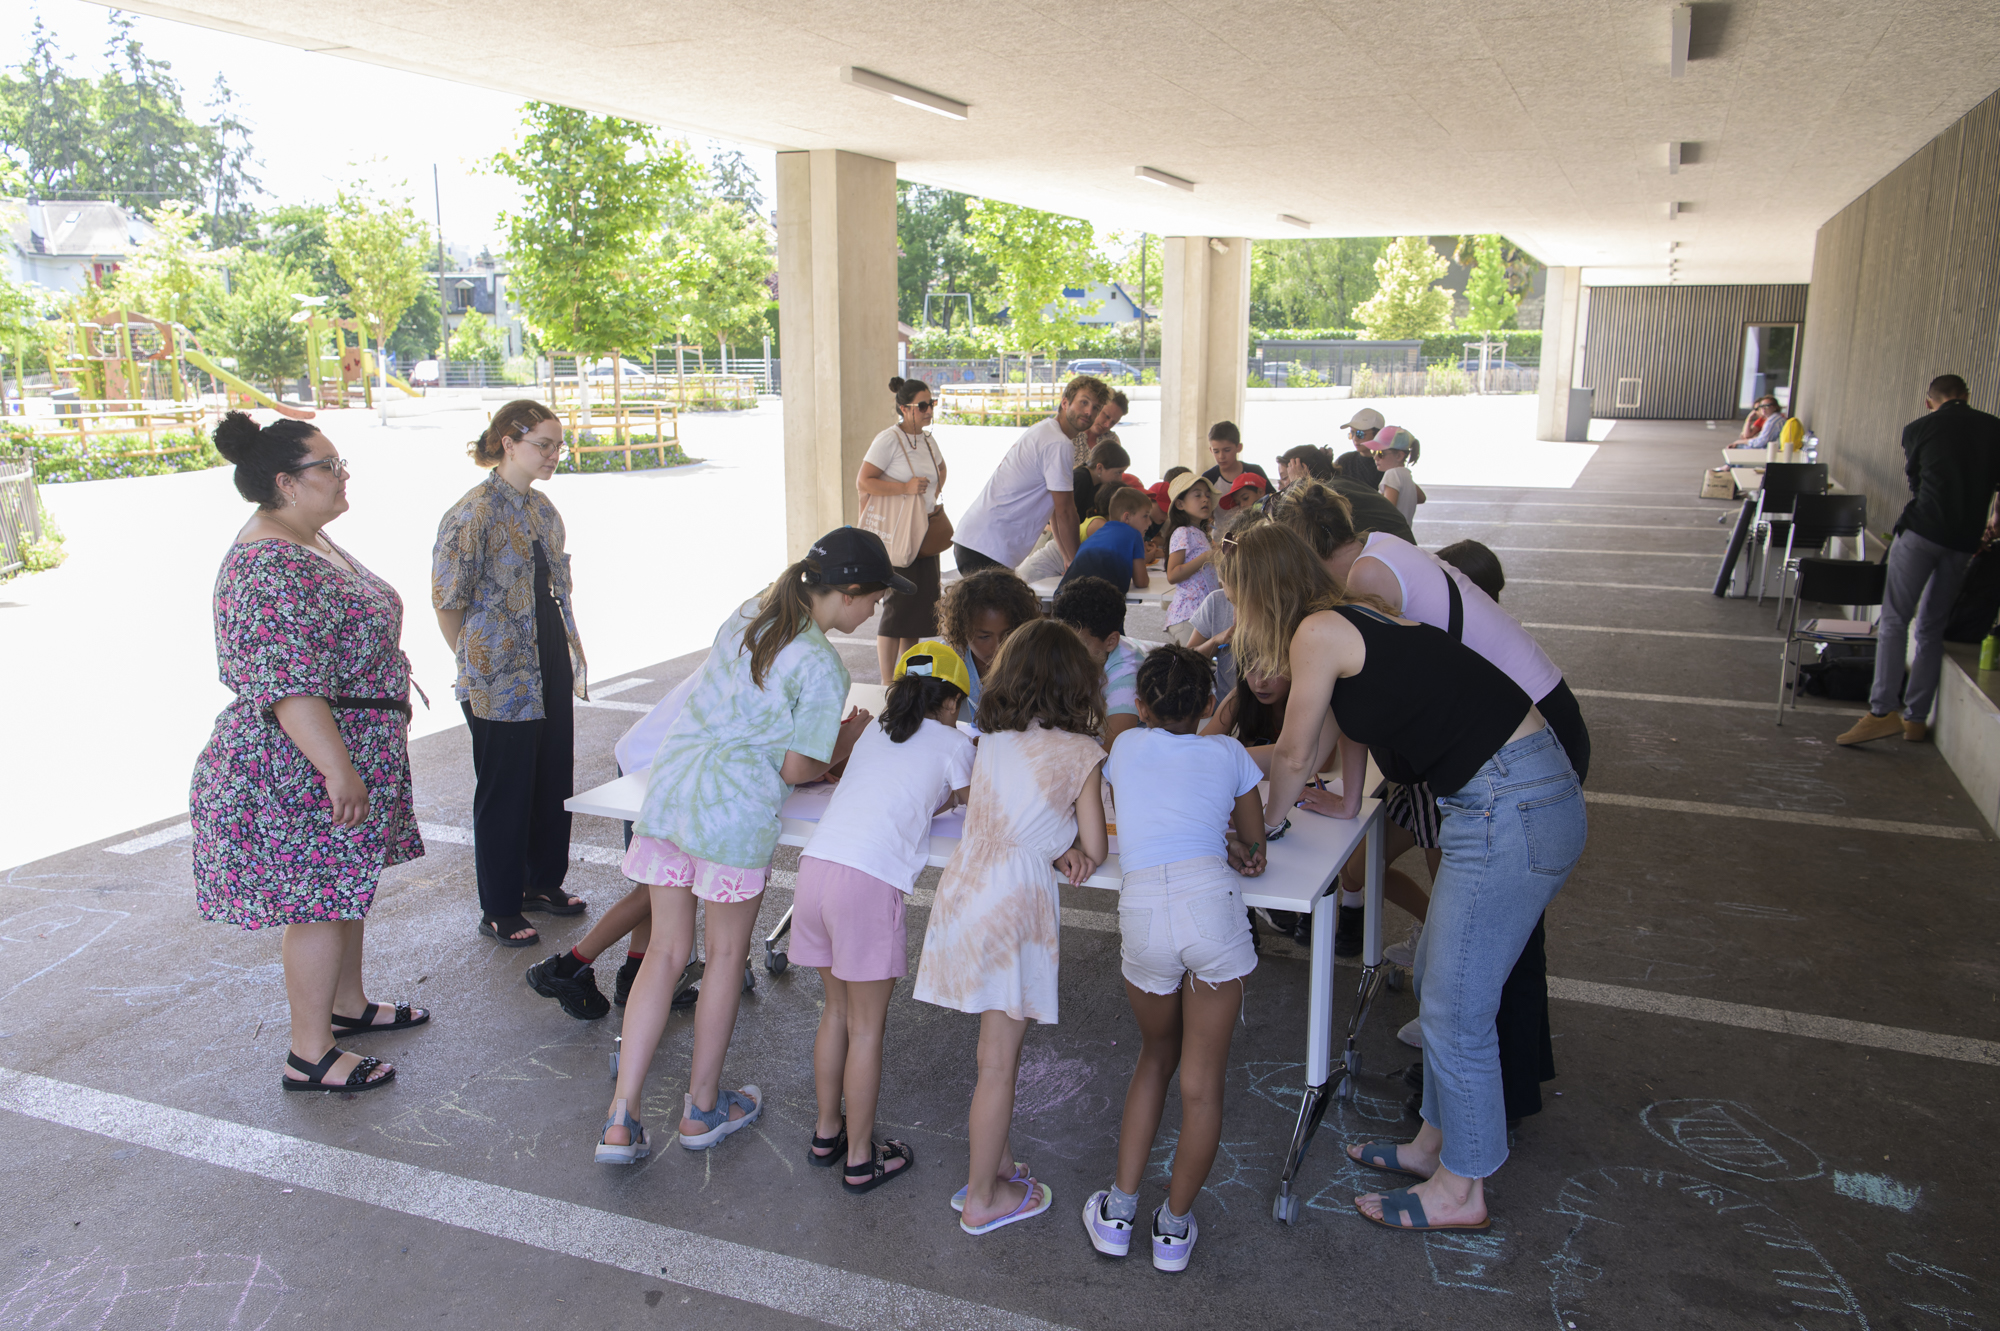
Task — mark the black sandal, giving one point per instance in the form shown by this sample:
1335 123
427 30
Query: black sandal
873 1174
557 904
501 931
834 1146
406 1017
357 1080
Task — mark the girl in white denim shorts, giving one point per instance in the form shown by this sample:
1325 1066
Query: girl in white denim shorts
1185 938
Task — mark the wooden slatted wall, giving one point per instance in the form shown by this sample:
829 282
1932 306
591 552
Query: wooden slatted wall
1683 344
1905 287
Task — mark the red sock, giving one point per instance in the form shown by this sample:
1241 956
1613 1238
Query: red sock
634 956
581 960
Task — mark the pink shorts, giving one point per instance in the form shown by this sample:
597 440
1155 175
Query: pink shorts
660 862
850 921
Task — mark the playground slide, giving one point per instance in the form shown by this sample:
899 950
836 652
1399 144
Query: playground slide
368 363
201 362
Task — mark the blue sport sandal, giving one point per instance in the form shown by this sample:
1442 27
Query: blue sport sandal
610 1153
717 1120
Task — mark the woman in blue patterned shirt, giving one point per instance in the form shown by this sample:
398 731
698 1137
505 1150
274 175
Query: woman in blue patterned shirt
501 584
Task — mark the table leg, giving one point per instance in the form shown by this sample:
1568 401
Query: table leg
1319 1039
1372 971
775 958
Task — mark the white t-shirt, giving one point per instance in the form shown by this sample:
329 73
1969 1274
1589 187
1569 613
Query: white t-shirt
1175 794
1011 511
1406 491
904 458
879 820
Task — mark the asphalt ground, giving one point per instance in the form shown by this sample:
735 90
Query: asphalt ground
1777 1018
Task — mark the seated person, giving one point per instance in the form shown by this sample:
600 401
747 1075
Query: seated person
1044 561
1245 491
1096 610
1358 466
1214 625
1774 422
1752 425
1100 509
1116 551
976 616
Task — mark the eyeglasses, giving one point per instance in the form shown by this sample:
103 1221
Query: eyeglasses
338 466
924 406
558 447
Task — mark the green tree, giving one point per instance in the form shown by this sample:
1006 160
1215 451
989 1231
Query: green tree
585 248
1311 283
476 339
379 245
1036 255
22 325
938 255
1490 304
170 274
418 334
719 263
1407 302
253 321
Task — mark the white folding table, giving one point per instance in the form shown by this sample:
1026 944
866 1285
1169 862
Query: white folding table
1301 867
1157 591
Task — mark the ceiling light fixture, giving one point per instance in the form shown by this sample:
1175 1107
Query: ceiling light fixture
1166 178
904 93
1674 158
1298 222
1683 30
1673 211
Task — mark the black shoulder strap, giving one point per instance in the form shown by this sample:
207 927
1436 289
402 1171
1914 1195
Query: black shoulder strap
1457 607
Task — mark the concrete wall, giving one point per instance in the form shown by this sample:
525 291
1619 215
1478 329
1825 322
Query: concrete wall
1204 342
1905 287
1684 344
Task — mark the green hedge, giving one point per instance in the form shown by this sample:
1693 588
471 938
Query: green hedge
58 458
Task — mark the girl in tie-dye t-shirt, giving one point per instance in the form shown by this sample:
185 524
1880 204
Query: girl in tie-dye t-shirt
764 716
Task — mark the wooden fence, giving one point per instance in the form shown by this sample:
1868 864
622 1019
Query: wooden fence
622 423
88 421
20 513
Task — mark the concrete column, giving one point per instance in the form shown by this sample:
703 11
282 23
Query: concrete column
1204 343
837 320
1561 324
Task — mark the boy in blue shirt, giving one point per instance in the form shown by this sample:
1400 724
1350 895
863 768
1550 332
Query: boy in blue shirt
1116 551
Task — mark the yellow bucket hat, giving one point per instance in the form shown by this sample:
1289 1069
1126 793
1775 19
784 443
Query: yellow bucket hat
937 660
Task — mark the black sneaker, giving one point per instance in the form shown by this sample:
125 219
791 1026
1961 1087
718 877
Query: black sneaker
578 993
621 987
1347 932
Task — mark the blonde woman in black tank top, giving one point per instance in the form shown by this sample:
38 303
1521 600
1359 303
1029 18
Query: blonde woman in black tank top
1430 709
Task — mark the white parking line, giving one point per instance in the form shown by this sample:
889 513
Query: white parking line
737 1271
1643 554
616 706
160 838
605 691
1784 816
1866 1033
1707 529
435 833
1735 704
1621 586
1764 638
1530 503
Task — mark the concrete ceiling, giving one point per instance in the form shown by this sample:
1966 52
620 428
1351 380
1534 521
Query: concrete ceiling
1546 120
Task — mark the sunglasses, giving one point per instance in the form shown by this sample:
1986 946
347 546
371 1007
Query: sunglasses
924 406
338 466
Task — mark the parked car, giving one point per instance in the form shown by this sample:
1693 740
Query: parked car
1471 365
1104 369
424 374
629 370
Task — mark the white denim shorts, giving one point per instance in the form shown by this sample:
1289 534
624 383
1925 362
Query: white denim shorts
1184 918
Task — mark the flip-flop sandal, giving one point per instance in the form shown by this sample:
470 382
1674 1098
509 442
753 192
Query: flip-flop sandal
1406 1205
1020 1175
1382 1155
357 1080
834 1146
717 1120
872 1175
1040 1197
558 904
501 931
406 1017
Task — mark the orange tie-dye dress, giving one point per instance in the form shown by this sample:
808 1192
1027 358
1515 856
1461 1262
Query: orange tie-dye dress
995 929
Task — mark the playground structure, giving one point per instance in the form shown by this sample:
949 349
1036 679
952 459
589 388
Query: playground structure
334 366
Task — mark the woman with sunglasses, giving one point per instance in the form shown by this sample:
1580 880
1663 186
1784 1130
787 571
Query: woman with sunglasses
904 460
500 582
302 796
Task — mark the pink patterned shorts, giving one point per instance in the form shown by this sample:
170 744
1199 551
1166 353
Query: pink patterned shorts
660 862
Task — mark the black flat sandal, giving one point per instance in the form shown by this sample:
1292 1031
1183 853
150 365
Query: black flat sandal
834 1146
357 1080
406 1017
873 1174
558 904
500 930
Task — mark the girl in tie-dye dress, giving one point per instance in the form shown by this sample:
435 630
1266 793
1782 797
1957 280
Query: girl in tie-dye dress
1036 809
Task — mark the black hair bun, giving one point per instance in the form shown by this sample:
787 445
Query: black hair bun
236 437
895 384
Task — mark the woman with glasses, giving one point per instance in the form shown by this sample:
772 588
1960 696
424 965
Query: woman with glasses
500 581
302 796
904 460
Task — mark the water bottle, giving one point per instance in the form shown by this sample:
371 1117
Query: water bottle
1989 652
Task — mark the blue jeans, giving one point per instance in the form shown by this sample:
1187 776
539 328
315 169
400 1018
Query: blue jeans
1510 838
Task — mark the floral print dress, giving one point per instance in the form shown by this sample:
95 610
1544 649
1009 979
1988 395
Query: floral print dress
291 624
995 931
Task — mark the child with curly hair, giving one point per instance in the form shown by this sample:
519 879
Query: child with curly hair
977 615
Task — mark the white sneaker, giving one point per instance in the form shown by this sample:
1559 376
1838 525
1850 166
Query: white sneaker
1412 1033
1404 954
1171 1251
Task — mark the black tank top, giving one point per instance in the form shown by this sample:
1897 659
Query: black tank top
1429 708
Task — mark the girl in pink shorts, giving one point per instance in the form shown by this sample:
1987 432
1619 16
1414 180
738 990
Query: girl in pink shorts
847 915
763 716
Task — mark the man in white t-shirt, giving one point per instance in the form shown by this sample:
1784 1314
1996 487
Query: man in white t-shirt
1032 482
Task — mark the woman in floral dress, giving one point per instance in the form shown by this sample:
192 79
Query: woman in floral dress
302 795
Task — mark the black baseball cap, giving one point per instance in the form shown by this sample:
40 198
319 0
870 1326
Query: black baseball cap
849 555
